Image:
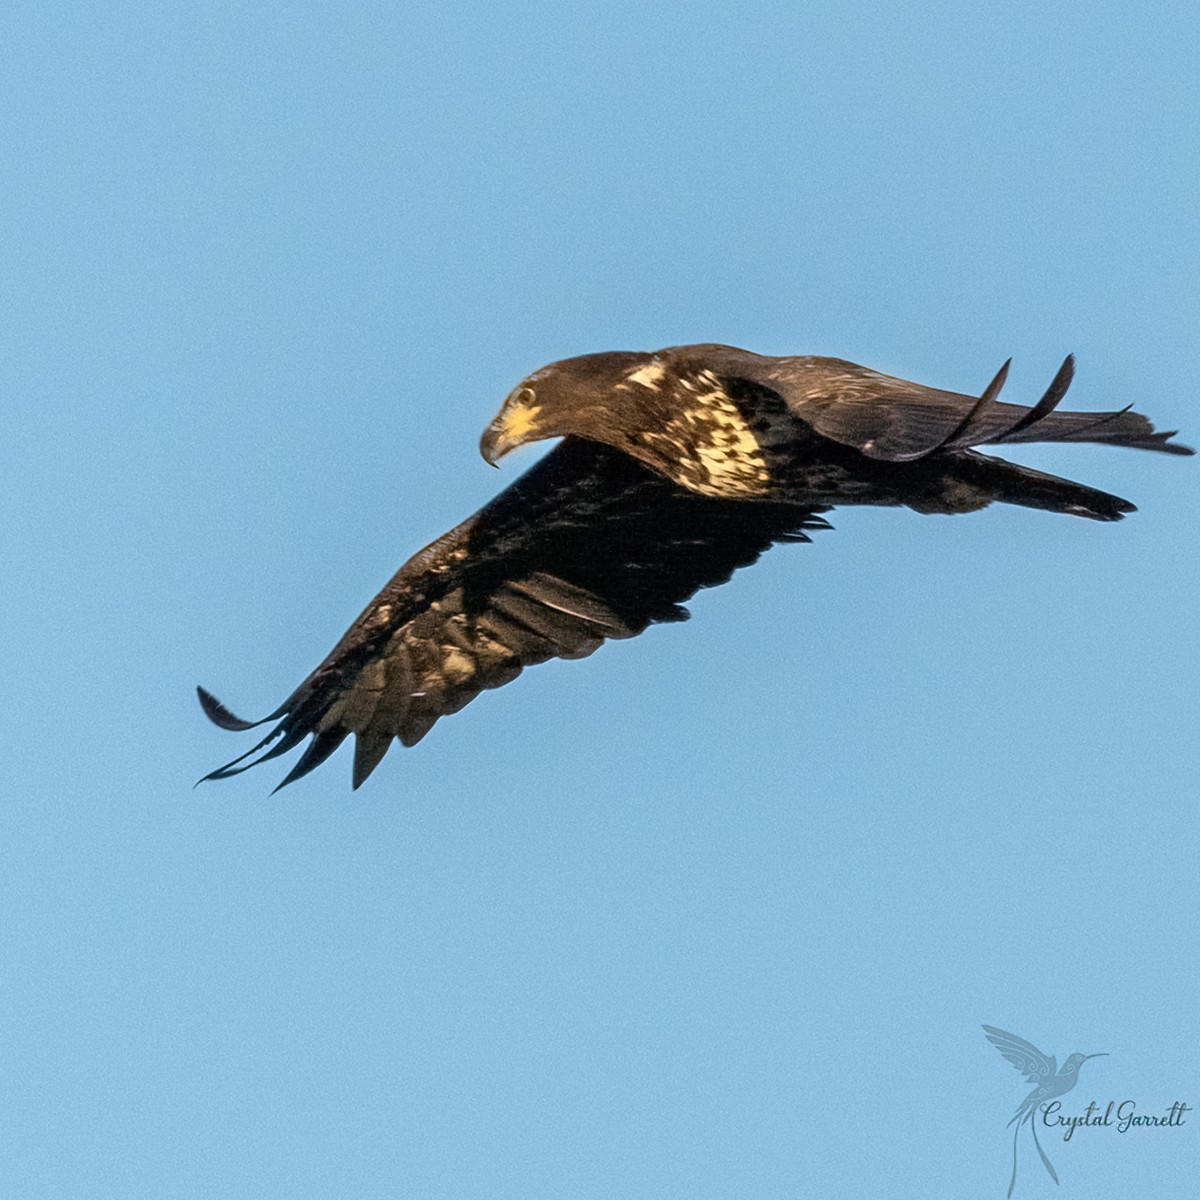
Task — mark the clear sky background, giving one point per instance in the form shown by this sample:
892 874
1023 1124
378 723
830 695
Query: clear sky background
719 912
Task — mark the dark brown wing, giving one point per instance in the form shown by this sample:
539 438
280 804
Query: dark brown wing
585 546
895 420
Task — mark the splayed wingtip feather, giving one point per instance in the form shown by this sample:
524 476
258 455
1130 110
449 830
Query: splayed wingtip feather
221 716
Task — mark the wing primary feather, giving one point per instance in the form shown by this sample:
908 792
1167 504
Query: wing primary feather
369 749
220 716
318 750
978 408
291 737
994 388
1049 402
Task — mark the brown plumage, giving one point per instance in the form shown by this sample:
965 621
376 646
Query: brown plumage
677 468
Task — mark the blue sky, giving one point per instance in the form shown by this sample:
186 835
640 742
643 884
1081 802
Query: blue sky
719 911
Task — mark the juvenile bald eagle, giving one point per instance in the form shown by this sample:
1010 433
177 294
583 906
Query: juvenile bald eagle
676 468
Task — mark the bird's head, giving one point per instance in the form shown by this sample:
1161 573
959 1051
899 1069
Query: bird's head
1075 1061
584 396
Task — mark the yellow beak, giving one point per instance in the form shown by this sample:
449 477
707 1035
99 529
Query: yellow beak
510 429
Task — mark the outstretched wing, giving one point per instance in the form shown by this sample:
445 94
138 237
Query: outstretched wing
893 419
587 545
1026 1057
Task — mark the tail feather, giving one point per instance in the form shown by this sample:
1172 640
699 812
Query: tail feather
990 423
1122 428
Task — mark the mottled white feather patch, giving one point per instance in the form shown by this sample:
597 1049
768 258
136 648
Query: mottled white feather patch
709 444
649 376
727 448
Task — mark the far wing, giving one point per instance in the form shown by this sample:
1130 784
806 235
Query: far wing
587 545
893 419
1026 1057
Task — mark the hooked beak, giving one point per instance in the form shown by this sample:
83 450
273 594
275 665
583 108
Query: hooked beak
494 445
515 424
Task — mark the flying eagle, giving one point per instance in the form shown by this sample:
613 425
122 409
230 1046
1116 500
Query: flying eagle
676 468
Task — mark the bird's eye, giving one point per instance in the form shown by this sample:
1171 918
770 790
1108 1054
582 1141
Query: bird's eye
526 395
